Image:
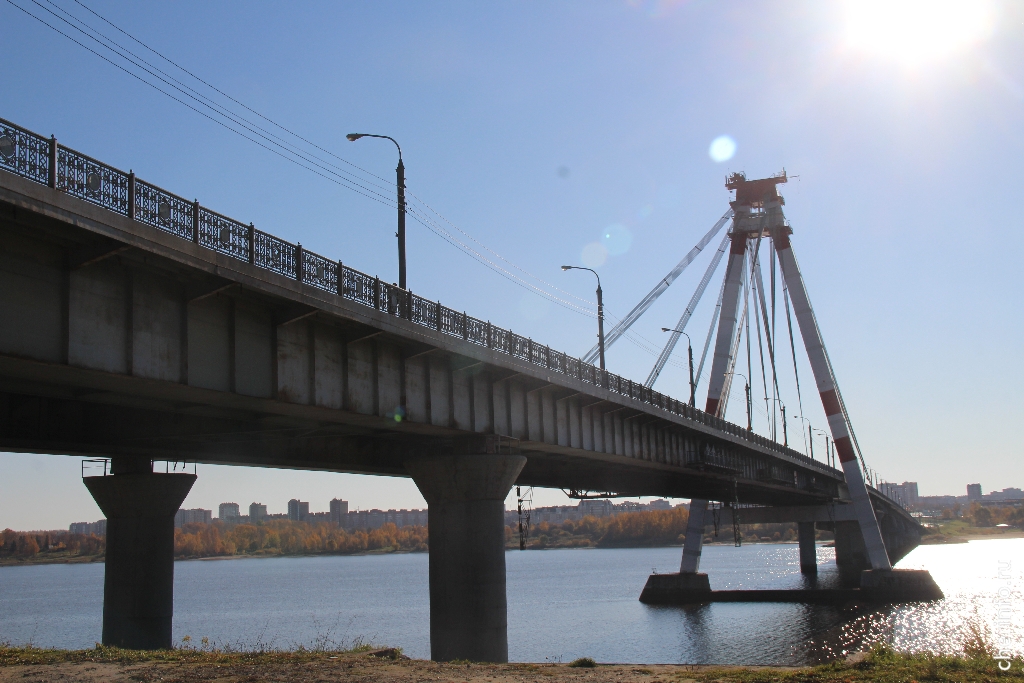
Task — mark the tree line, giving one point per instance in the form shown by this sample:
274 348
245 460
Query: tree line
641 530
58 545
288 537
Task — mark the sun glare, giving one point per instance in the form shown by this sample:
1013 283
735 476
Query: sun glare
917 31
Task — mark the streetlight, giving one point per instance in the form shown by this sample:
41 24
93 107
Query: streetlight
689 355
785 435
746 386
827 450
600 311
810 434
352 137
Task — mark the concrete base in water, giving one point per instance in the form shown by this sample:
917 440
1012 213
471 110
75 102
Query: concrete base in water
676 589
900 585
888 587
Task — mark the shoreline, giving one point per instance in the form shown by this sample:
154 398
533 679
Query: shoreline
389 665
931 539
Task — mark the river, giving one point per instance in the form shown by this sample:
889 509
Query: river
563 604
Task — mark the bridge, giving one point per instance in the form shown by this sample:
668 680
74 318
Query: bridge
140 326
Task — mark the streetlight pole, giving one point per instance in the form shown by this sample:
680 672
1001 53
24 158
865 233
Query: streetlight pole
746 386
828 451
785 435
689 356
810 434
400 171
600 311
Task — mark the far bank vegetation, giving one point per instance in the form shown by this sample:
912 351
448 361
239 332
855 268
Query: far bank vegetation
285 537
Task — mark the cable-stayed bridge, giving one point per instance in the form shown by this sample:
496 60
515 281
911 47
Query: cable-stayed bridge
138 325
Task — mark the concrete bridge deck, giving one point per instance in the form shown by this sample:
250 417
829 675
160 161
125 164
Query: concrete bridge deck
133 339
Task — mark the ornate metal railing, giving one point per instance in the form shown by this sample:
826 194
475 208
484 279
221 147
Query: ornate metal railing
161 209
44 161
24 153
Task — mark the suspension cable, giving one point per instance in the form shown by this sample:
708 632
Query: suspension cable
684 319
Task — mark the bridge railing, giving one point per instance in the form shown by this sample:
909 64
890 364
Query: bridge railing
44 161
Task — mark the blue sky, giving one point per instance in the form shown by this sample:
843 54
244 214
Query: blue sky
539 127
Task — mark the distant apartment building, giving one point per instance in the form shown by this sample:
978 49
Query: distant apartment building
1010 494
596 508
298 510
229 512
257 513
368 520
97 528
194 516
905 493
973 492
339 511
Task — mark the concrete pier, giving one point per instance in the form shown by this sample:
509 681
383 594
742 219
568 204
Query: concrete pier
138 582
851 555
466 501
808 553
684 588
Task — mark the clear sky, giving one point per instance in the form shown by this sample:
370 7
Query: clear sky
585 132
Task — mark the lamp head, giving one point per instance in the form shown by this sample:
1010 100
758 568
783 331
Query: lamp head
567 267
352 137
665 329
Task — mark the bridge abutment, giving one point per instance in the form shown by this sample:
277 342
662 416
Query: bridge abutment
466 502
808 552
138 582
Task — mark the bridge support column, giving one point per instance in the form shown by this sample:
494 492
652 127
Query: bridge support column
851 555
808 553
138 582
466 516
688 586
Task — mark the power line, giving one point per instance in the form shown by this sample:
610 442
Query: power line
328 169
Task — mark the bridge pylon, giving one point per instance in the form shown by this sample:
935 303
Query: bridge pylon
757 214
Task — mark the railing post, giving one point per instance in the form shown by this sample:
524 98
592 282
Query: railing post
440 308
195 221
250 238
489 343
298 262
408 309
131 195
465 325
341 279
53 162
376 293
529 349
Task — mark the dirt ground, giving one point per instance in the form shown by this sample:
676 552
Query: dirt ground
347 668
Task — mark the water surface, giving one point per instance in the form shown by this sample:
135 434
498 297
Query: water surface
563 604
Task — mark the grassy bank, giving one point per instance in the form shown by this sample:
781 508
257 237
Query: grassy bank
187 665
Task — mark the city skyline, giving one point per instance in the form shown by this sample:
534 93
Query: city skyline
382 498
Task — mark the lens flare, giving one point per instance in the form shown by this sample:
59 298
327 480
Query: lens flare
617 239
722 149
